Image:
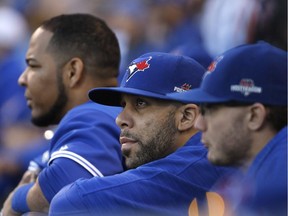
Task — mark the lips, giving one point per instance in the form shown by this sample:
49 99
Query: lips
29 105
29 102
127 144
125 140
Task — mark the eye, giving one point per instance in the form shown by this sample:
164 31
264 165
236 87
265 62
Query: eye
122 103
32 64
208 109
140 103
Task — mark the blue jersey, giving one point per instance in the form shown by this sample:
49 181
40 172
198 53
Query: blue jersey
85 144
262 190
162 187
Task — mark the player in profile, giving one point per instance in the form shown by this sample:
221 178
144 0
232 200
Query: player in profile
168 165
243 103
67 56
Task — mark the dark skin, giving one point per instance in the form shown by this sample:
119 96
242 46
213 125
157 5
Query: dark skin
152 124
40 75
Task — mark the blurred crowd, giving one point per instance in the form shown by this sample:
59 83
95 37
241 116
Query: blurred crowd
197 28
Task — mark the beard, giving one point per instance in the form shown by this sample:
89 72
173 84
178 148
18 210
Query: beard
158 146
54 115
235 146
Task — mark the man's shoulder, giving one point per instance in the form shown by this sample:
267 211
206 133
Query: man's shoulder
91 107
83 124
90 112
274 155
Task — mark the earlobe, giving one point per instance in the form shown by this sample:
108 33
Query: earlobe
257 116
187 116
75 69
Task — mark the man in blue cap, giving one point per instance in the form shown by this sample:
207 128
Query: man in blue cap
243 104
168 165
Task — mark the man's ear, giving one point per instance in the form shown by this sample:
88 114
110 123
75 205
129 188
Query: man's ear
186 116
74 71
257 116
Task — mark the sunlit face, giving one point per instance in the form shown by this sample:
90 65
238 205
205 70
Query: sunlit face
148 129
45 91
225 134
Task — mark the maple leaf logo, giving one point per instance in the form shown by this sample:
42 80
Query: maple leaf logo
135 67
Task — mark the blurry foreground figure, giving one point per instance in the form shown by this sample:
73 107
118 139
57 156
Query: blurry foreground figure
243 104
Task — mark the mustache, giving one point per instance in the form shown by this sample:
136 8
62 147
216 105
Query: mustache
127 134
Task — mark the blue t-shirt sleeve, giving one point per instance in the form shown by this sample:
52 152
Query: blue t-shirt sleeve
60 173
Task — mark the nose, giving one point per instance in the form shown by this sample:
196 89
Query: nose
123 120
22 80
200 123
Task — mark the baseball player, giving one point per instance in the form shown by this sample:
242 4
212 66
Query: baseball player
168 165
67 56
243 100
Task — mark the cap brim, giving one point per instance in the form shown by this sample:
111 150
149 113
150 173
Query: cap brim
112 96
196 96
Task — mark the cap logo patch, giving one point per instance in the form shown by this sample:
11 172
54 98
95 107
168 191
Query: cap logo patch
213 65
246 86
185 87
137 66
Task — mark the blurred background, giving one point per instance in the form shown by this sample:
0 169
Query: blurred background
201 29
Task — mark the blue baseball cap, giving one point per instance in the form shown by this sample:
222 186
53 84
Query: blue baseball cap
247 73
153 75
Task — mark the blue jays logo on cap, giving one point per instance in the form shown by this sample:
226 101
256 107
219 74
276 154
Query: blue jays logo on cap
155 75
213 65
246 86
140 65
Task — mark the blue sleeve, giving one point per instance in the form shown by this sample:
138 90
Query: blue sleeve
91 138
85 144
60 173
126 194
162 187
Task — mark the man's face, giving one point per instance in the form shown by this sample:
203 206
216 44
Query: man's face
148 129
224 134
45 91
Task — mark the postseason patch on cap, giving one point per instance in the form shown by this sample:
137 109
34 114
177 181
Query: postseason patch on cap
246 87
185 87
248 73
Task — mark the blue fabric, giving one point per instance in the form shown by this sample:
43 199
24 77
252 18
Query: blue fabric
262 190
85 144
162 187
240 74
186 31
195 51
267 178
19 199
166 73
60 173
